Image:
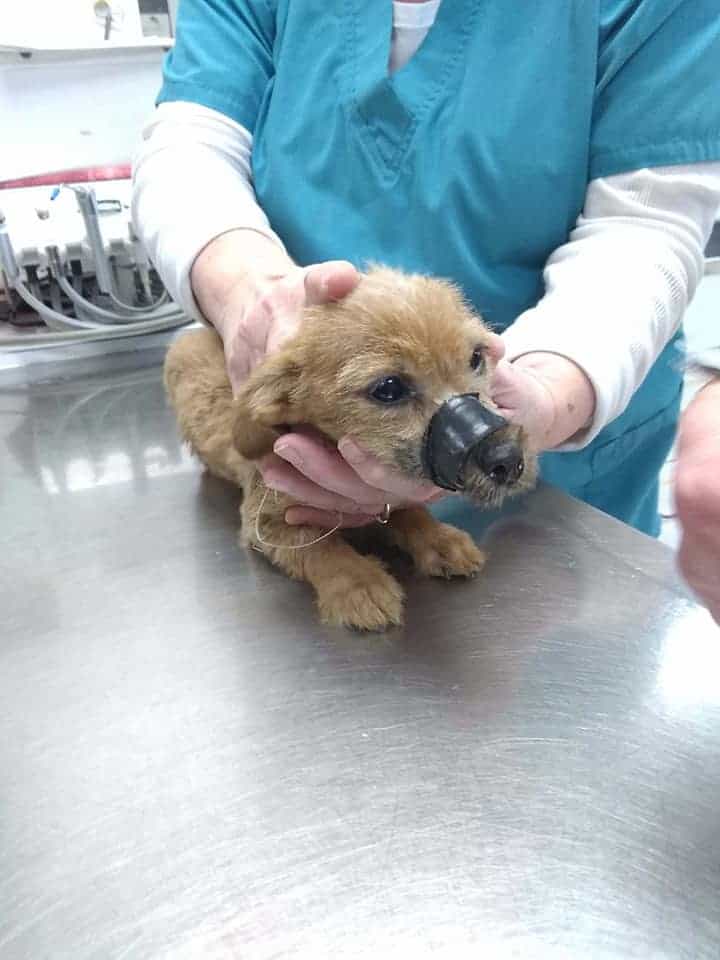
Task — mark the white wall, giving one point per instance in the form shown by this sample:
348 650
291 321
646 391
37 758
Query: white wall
78 108
74 113
72 23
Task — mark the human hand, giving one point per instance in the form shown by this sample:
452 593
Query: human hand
328 482
697 496
254 295
256 322
545 393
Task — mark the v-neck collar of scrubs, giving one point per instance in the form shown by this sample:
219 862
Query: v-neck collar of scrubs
414 16
390 105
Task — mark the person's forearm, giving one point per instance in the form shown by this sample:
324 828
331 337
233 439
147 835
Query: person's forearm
237 259
192 183
616 291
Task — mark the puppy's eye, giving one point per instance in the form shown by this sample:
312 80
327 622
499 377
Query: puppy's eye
390 390
477 360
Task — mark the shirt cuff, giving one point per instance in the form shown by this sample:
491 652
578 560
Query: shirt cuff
192 182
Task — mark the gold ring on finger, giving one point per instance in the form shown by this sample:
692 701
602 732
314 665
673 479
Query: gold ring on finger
384 516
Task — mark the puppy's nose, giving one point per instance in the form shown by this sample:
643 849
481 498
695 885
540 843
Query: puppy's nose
502 462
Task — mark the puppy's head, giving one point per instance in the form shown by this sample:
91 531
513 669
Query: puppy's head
404 366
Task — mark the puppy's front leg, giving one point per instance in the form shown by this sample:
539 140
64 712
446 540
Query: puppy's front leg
352 590
436 549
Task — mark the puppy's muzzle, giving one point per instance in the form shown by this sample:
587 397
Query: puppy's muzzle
463 429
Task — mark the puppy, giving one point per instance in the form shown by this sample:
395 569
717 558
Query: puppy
383 365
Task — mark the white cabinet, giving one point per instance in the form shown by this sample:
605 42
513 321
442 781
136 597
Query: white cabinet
68 97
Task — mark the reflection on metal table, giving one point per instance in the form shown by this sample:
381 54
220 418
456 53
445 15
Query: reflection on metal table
191 766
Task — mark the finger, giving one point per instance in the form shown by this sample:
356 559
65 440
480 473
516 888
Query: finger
508 391
238 366
245 346
329 281
306 430
284 478
283 305
280 332
496 347
396 487
326 468
504 380
280 310
307 516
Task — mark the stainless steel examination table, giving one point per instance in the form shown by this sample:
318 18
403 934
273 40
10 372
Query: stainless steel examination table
191 766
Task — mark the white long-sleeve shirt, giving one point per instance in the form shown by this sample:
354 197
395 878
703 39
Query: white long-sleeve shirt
615 293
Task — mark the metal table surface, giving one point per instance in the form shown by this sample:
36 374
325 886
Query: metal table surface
191 766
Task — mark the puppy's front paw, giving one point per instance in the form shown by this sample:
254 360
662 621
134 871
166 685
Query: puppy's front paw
445 551
371 600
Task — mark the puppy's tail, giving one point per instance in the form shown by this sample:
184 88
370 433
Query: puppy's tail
199 391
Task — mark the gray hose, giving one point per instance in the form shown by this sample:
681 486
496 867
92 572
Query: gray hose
128 308
41 341
103 316
73 330
88 207
70 329
8 263
54 320
87 204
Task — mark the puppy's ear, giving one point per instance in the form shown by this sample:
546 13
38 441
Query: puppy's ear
264 404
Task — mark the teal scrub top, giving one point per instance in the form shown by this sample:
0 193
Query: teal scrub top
472 161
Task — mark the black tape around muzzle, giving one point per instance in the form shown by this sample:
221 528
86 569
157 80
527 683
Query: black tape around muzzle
460 425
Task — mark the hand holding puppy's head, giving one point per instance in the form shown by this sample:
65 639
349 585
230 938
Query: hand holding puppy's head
404 366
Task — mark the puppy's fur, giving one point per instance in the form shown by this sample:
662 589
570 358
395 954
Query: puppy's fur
411 327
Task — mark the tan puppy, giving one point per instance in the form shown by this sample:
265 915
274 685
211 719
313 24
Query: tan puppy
377 365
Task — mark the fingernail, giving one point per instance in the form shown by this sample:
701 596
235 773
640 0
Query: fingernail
288 453
350 451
